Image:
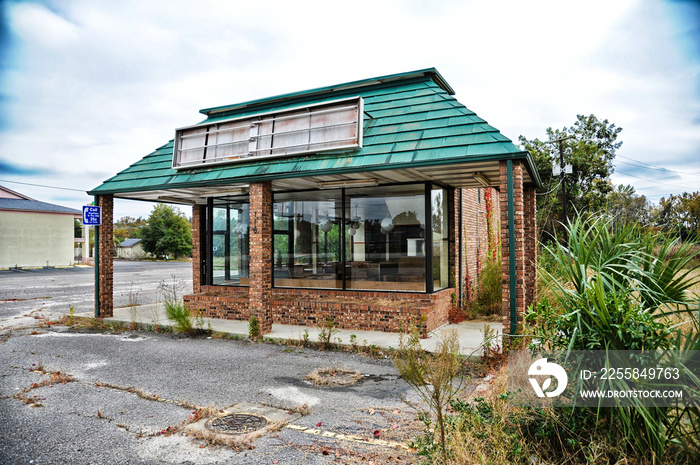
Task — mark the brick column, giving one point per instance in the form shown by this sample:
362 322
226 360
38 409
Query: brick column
105 253
260 250
198 228
518 255
531 242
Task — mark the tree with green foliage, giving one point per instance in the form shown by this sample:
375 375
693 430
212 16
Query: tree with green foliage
127 228
624 206
680 213
589 146
167 232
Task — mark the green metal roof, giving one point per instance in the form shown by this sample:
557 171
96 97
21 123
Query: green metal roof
411 122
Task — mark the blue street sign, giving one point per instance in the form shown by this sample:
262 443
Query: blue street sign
92 216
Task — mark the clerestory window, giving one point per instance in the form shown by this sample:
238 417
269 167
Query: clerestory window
316 128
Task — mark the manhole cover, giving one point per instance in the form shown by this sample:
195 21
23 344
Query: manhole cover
236 423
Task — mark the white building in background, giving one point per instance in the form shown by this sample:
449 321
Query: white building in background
34 233
131 249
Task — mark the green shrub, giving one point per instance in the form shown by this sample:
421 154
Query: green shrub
624 289
253 328
179 315
488 299
327 327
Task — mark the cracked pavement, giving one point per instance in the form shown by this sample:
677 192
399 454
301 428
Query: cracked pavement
127 388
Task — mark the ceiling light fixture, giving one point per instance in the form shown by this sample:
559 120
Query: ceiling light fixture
348 183
481 179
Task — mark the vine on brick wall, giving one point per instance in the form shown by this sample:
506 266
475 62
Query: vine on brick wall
493 239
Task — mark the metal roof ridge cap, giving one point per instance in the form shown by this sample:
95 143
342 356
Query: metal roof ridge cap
431 72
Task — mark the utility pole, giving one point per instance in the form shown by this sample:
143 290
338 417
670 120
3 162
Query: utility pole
563 169
563 183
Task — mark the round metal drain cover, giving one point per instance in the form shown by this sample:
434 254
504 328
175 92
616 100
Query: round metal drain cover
237 423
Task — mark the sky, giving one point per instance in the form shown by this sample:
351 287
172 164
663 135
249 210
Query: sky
88 88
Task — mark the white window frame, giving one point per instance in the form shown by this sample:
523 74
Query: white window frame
254 122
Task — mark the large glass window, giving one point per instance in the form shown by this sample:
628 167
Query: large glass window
441 238
307 242
230 240
385 233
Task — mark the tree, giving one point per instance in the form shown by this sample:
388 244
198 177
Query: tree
680 213
167 232
624 206
589 146
127 227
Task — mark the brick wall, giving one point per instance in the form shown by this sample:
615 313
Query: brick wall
518 255
475 234
260 251
531 241
105 253
198 229
372 311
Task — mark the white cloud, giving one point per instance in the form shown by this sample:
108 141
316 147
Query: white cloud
95 86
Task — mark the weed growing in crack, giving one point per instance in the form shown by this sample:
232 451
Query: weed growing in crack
327 328
55 377
253 328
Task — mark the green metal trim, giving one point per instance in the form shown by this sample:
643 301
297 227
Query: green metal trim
97 265
332 171
511 251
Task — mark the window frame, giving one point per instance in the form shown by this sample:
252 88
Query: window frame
254 122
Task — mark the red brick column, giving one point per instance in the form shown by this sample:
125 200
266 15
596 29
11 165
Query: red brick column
531 242
197 251
261 253
518 255
105 252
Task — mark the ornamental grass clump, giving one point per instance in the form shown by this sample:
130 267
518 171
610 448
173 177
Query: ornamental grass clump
618 289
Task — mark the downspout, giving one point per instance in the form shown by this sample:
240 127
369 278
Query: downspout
97 267
461 250
511 251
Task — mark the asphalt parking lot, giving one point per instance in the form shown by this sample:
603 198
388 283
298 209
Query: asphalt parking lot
55 290
86 397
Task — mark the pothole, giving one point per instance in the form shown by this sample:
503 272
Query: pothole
236 423
333 377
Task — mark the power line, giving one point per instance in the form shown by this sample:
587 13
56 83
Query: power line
43 185
656 182
647 165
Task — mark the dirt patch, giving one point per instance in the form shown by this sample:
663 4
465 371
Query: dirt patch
333 377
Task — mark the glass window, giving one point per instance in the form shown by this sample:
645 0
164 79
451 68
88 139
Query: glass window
361 238
441 258
230 241
328 126
307 250
385 233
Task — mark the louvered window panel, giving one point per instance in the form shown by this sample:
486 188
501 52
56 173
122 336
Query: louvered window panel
318 128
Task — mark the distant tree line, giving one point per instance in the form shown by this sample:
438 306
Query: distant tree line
589 146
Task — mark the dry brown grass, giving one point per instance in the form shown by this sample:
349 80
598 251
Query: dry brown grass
333 377
54 377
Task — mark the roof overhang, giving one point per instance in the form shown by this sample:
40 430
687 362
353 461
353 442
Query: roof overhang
457 175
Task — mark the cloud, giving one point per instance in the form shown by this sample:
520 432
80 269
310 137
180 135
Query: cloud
7 168
91 87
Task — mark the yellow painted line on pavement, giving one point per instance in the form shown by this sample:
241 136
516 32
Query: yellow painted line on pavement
347 437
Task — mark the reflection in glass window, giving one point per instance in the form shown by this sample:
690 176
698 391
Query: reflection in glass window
230 241
385 233
440 239
307 247
362 238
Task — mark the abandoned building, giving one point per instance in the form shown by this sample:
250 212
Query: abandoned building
371 201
